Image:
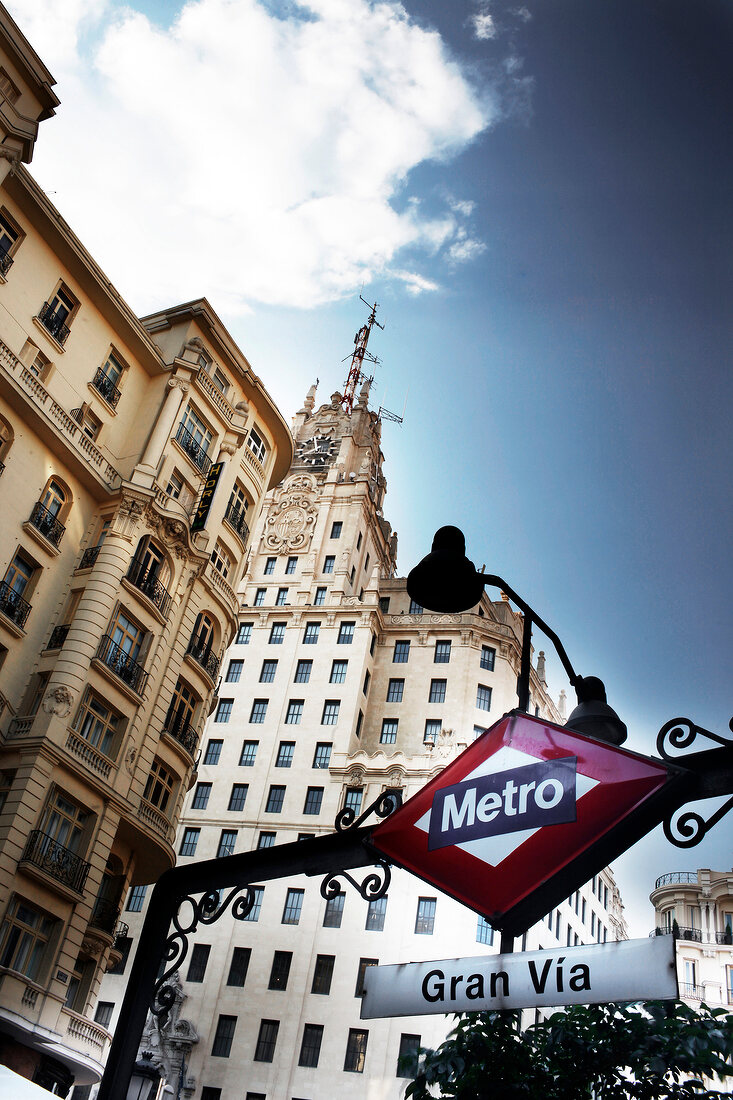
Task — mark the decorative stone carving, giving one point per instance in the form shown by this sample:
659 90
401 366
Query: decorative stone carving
168 1045
59 701
171 532
396 777
130 759
291 521
356 775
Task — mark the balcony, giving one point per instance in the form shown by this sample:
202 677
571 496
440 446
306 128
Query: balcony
677 878
194 450
6 262
235 518
105 915
122 664
724 938
121 932
53 323
89 557
47 524
13 605
145 579
106 388
200 650
58 636
182 732
57 861
691 991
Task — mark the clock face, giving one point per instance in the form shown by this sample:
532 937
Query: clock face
316 451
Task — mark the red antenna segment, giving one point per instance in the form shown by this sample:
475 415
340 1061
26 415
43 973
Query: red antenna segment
356 374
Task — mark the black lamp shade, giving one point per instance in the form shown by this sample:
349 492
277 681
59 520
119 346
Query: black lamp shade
593 716
445 580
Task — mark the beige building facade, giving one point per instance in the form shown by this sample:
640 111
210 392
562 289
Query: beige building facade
134 456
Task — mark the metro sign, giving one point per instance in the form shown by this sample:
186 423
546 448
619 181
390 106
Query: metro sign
529 812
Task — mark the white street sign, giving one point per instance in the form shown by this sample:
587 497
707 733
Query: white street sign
629 970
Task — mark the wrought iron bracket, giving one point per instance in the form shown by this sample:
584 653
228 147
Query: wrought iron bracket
376 884
711 773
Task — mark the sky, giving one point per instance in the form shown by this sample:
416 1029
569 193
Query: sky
539 198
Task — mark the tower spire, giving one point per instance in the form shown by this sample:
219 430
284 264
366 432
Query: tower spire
359 355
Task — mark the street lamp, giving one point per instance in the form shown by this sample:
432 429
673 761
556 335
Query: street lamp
145 1079
446 581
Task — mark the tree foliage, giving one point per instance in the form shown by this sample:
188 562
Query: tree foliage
657 1051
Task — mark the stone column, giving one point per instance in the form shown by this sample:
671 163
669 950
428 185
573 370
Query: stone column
146 469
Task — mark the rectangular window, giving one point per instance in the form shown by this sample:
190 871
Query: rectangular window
395 691
488 656
353 799
384 604
293 906
437 691
103 1013
213 751
425 918
269 566
225 1028
23 938
367 679
258 893
336 529
275 799
210 1092
136 899
280 970
310 637
366 564
277 634
267 672
294 712
320 598
260 597
223 710
310 1048
227 842
197 965
338 672
364 965
303 672
359 723
239 966
442 653
244 633
484 932
266 840
256 445
478 731
328 563
290 566
376 914
333 915
285 753
356 1051
322 755
189 842
346 634
238 797
201 796
259 710
433 727
483 697
313 800
388 735
330 714
249 753
323 974
401 653
415 608
234 671
282 597
265 1049
98 724
358 541
407 1059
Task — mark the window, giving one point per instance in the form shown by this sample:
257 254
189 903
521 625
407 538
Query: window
103 1013
195 438
415 608
270 566
352 574
334 912
375 915
136 899
280 970
238 797
223 710
159 786
89 423
322 974
310 1048
9 232
322 755
285 752
267 674
356 1051
290 566
258 712
367 679
388 735
257 893
384 604
213 751
313 800
320 597
234 671
328 563
282 597
338 672
358 541
124 944
303 672
249 753
359 723
16 585
433 727
478 731
275 799
244 633
239 965
366 564
395 691
442 653
437 691
293 905
260 597
294 712
336 529
401 653
225 1028
364 965
483 697
425 919
408 1055
23 938
227 842
330 712
56 314
484 932
488 656
256 445
310 636
189 842
266 840
197 965
265 1049
98 724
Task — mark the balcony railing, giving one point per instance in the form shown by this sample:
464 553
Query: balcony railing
6 262
182 732
58 636
89 557
194 450
13 605
200 650
46 522
724 937
2 467
677 878
235 518
122 664
106 387
692 991
53 323
143 577
692 934
105 915
62 864
121 932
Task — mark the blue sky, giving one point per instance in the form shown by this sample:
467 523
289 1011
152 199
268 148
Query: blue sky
538 196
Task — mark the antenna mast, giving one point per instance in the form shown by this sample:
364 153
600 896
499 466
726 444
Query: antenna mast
356 374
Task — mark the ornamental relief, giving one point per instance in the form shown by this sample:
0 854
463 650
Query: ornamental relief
291 521
438 620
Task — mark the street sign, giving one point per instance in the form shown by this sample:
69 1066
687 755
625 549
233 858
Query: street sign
202 512
629 970
511 826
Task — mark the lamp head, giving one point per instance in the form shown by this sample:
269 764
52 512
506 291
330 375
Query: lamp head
445 580
593 716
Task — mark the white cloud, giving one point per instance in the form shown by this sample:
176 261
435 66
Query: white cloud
483 23
249 156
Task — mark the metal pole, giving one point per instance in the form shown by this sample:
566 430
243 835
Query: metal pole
523 681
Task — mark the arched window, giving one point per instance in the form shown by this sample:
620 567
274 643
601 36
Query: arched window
182 708
54 497
204 630
152 560
6 441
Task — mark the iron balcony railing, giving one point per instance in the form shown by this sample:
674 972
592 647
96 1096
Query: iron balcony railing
693 934
194 450
121 932
122 664
105 915
53 323
677 878
46 522
2 467
106 387
57 861
183 732
724 937
235 518
13 605
144 578
89 557
200 650
58 636
6 262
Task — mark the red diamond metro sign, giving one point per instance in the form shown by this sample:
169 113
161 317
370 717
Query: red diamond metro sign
516 822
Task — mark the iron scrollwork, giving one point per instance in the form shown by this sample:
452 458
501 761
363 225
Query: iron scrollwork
376 884
688 828
387 803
